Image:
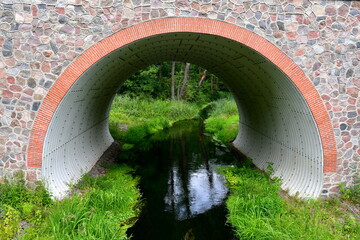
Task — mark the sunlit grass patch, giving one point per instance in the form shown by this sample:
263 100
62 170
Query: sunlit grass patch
104 209
256 211
143 117
223 120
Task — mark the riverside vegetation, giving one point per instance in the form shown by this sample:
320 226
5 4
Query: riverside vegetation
105 207
256 210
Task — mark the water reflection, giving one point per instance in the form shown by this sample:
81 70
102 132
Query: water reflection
204 189
183 191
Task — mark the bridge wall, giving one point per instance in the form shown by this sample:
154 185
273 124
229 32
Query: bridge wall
40 39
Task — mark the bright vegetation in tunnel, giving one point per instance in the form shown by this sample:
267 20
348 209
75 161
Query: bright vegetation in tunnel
276 123
145 103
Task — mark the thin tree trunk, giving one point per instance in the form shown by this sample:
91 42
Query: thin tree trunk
173 81
202 78
179 85
185 80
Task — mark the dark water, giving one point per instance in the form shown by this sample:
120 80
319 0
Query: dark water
184 195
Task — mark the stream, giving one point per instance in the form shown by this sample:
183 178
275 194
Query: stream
183 192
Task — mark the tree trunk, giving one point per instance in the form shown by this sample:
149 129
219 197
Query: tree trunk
186 76
173 81
202 78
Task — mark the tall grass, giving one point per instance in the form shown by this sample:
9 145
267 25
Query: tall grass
109 206
223 120
256 211
18 202
104 208
142 117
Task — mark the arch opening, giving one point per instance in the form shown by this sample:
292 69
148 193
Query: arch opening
277 122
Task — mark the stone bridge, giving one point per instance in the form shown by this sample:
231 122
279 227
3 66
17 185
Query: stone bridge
292 66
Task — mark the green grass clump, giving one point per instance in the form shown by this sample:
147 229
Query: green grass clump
256 211
223 120
104 208
352 193
143 117
18 203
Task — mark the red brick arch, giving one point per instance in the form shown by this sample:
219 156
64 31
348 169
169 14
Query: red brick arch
168 25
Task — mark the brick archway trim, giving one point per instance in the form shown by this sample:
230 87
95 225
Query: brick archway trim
181 24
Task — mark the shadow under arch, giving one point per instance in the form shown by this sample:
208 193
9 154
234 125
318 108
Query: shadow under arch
283 119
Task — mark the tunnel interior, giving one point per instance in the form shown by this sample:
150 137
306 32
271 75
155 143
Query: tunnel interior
276 124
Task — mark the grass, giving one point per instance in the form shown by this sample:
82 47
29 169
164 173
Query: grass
352 193
104 208
18 203
256 211
142 117
223 120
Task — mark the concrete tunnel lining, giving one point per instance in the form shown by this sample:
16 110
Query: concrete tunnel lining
276 123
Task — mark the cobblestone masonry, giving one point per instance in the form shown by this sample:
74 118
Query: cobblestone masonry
40 39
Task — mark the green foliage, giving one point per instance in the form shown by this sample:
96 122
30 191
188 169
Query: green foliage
351 193
105 209
154 82
9 222
144 84
15 194
258 212
223 120
143 117
19 203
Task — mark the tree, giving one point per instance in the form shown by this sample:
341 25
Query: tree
173 80
202 78
185 81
